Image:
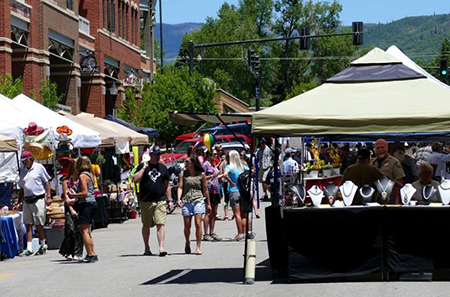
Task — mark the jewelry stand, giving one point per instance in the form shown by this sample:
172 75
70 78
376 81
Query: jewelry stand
348 191
330 190
299 193
316 195
385 186
444 191
406 193
428 192
366 193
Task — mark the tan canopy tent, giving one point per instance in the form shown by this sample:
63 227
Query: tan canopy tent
108 137
377 94
7 144
133 137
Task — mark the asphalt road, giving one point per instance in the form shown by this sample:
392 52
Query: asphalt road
123 271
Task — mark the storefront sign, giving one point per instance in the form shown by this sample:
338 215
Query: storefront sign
89 64
131 81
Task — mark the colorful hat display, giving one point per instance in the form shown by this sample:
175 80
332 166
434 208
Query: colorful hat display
65 147
33 129
63 138
64 130
40 152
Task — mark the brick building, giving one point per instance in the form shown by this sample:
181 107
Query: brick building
83 45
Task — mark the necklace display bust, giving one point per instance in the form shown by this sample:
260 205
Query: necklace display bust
316 195
348 191
406 193
384 186
444 191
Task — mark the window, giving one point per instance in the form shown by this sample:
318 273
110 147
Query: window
111 16
123 20
132 26
137 28
69 4
127 23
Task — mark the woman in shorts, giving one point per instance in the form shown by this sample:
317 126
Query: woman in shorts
87 205
231 174
192 191
212 180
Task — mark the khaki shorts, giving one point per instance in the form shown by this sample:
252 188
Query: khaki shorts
153 213
34 213
263 175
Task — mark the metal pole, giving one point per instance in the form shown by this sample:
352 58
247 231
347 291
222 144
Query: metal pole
248 210
161 36
257 91
191 56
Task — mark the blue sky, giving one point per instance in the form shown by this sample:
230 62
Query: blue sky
368 11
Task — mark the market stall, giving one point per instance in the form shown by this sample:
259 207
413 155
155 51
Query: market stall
377 96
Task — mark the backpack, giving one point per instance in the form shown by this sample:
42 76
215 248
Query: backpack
244 185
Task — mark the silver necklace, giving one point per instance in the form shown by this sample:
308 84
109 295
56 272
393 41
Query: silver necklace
351 190
406 195
442 187
366 196
332 193
317 192
423 192
383 193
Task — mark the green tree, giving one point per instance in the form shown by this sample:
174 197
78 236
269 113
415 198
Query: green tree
444 53
128 111
173 90
10 87
49 94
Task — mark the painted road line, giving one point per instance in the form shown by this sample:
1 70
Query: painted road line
2 276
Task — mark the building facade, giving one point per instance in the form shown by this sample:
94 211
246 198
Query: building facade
85 46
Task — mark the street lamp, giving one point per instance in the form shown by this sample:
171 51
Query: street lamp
113 92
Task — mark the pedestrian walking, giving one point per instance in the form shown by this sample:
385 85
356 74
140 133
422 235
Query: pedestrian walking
85 200
212 179
192 191
33 196
155 191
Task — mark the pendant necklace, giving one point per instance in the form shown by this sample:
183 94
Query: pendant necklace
332 193
406 195
384 194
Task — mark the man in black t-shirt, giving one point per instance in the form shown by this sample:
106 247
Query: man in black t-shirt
154 189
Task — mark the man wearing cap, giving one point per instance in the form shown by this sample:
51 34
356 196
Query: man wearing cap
34 193
361 173
290 167
154 189
388 165
264 156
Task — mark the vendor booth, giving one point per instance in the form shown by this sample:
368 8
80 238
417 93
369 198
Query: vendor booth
376 97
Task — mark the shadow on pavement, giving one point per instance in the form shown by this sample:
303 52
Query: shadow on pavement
211 275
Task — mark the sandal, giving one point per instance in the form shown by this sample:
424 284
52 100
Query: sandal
148 253
163 254
198 253
187 250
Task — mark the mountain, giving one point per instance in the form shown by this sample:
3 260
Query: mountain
418 37
172 36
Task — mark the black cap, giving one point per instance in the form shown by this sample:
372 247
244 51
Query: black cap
363 153
155 150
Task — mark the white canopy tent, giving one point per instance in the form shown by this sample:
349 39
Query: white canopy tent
8 159
82 137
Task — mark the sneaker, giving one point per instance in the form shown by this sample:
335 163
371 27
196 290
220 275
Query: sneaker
42 250
251 235
239 238
216 237
26 253
90 259
207 237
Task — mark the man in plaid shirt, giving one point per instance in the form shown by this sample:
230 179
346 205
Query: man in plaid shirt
422 154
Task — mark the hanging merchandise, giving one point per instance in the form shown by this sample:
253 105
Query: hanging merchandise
406 193
208 141
39 151
444 191
384 186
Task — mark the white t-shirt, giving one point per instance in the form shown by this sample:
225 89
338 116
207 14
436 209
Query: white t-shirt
290 168
33 180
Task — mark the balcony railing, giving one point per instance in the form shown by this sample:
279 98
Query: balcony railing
84 25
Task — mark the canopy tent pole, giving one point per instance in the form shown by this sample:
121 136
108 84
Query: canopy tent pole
232 132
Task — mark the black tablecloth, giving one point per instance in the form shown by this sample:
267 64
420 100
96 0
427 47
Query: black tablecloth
314 243
101 214
417 238
331 243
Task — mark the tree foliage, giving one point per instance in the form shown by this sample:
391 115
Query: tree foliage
171 91
49 94
10 87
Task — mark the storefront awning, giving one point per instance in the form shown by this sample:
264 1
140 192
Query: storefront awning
187 119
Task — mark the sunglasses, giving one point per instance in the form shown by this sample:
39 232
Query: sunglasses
214 154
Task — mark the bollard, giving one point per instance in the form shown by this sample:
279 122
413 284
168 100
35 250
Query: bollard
251 263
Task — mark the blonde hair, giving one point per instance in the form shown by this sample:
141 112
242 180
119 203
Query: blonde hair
71 171
235 162
83 164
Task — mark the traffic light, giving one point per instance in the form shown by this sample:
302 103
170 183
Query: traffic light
251 57
305 42
358 37
256 64
443 67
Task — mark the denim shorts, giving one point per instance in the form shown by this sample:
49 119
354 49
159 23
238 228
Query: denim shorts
235 198
193 208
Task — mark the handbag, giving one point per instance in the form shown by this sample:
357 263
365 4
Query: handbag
33 199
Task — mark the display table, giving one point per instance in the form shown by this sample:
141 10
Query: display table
12 231
320 182
384 242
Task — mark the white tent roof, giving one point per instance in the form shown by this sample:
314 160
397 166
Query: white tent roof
399 55
12 114
43 116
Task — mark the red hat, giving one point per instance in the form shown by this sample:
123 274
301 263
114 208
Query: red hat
33 129
26 155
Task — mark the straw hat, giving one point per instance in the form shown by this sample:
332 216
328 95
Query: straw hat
40 152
